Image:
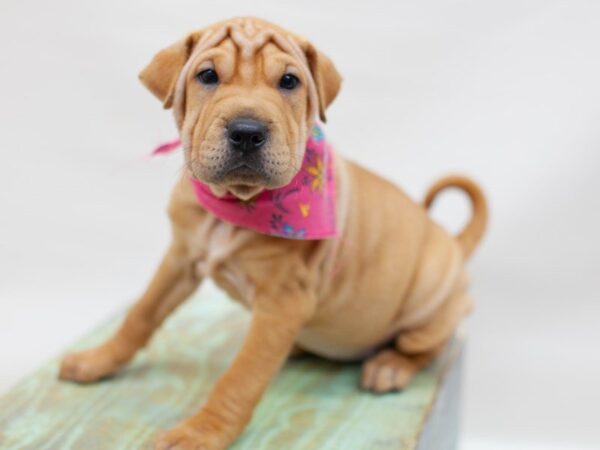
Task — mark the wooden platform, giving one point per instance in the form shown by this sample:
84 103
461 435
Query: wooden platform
313 404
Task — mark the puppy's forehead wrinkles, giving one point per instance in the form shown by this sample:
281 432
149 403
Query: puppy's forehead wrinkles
249 36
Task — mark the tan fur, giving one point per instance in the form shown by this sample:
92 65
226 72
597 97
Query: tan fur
393 278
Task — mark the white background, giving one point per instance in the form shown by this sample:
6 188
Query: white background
506 91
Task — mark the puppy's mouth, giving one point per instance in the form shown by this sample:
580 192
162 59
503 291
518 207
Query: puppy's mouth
244 173
244 179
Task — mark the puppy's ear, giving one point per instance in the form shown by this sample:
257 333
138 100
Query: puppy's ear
327 79
160 76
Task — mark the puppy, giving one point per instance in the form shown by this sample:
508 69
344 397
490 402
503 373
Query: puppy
330 258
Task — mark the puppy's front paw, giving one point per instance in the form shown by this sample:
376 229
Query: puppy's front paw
89 365
184 437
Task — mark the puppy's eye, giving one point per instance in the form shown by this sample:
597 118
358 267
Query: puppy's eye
289 82
208 76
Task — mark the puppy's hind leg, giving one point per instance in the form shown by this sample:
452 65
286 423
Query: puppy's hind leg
393 368
438 329
174 281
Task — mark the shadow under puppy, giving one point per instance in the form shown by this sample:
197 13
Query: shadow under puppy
330 258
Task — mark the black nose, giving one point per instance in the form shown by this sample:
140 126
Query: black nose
246 135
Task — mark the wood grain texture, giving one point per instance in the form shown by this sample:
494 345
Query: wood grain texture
313 404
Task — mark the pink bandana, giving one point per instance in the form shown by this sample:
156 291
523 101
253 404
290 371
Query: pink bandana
303 209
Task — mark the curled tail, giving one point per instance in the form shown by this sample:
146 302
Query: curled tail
471 234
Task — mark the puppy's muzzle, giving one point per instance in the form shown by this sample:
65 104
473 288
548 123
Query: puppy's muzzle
246 136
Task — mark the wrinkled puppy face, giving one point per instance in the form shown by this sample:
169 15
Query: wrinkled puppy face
245 94
246 117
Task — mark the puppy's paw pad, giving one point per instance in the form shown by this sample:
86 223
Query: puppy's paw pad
387 371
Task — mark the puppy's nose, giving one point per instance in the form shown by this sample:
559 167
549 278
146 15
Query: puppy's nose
246 135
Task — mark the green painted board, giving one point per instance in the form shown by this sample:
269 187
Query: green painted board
312 404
